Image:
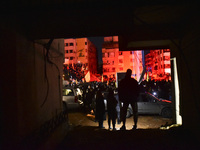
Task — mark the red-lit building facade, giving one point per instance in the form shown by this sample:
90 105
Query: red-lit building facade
157 64
119 61
80 55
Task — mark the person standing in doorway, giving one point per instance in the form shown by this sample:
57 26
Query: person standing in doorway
128 94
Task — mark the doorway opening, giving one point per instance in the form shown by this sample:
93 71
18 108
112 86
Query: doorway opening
151 68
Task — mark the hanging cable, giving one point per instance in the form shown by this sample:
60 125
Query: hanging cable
46 59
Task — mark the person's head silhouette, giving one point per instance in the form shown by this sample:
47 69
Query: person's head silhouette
128 73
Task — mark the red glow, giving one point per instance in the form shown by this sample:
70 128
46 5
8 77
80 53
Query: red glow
158 65
159 99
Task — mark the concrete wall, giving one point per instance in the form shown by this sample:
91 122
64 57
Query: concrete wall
186 50
31 85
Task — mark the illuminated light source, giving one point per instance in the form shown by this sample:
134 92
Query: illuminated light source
154 93
177 98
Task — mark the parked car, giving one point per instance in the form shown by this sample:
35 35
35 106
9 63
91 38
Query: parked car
71 98
147 104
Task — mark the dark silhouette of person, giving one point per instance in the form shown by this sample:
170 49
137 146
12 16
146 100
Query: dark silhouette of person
128 93
89 96
100 109
111 108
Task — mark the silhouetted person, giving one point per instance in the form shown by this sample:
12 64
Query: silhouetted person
89 96
111 108
128 93
100 109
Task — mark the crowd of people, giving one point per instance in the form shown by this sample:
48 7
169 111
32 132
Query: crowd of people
74 71
160 89
93 95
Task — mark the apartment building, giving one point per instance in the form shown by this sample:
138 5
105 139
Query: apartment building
158 64
119 61
81 52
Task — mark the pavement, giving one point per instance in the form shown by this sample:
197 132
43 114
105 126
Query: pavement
80 137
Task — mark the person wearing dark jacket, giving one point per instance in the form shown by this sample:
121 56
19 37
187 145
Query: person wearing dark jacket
128 94
100 108
111 108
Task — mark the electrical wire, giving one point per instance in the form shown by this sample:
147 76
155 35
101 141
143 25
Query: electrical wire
47 59
46 78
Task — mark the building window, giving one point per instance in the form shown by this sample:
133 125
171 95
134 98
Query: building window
132 59
71 44
120 60
71 51
71 58
66 51
167 66
112 54
166 50
66 44
106 54
105 70
120 69
85 43
166 57
156 68
113 69
120 53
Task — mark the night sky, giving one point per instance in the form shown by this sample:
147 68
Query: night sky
98 41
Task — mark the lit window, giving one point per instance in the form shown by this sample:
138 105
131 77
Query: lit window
120 60
106 54
112 54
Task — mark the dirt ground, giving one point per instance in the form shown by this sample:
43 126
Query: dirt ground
82 132
85 134
144 121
